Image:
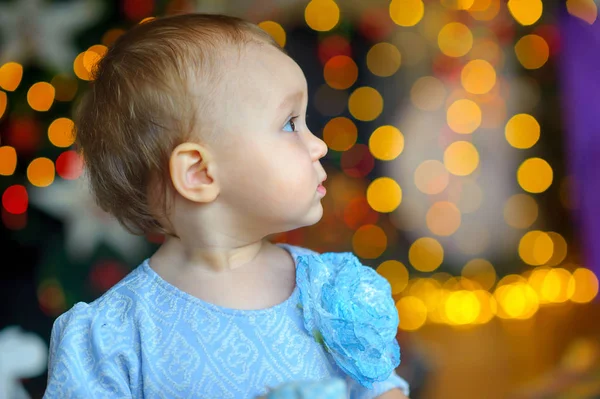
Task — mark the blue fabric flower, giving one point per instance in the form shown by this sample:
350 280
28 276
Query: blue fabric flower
348 307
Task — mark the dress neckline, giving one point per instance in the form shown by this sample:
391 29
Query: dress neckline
171 289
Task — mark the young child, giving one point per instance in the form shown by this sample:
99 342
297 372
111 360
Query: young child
194 127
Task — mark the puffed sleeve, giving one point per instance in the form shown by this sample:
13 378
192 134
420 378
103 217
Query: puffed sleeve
357 391
83 362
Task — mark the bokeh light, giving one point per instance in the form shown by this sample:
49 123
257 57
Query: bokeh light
455 39
369 241
406 12
464 116
395 273
536 248
365 104
41 96
383 59
526 12
340 72
443 218
8 160
478 77
522 131
340 134
40 172
11 74
431 177
322 15
386 143
412 313
461 158
275 30
384 194
535 175
426 254
532 51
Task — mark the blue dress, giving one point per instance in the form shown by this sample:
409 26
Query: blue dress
145 338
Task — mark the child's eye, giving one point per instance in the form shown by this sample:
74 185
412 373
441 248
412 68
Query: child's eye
291 123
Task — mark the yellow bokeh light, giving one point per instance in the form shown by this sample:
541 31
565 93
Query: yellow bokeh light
41 96
340 134
40 172
464 116
386 143
455 39
412 313
92 56
340 72
557 286
428 290
586 10
369 241
462 307
322 15
11 74
532 51
526 12
8 160
517 301
488 306
147 19
478 77
3 103
431 177
461 158
384 194
480 271
586 285
80 71
275 30
535 175
428 93
395 273
457 4
560 249
365 104
383 59
60 132
426 254
406 12
536 248
521 211
522 131
485 10
443 218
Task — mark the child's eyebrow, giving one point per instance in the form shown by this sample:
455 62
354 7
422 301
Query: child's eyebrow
291 99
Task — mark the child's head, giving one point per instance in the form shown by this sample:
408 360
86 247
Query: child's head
187 125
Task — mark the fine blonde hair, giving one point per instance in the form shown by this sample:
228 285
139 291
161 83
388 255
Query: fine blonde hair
140 106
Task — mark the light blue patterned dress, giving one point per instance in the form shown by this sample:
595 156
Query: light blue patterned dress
145 338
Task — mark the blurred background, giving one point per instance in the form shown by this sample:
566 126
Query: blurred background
463 153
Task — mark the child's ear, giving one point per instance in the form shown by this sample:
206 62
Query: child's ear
192 171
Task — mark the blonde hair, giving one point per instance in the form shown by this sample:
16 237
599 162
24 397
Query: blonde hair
139 107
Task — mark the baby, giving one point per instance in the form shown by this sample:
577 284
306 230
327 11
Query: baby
194 127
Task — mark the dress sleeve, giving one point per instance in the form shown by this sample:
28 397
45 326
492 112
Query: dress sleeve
82 363
357 391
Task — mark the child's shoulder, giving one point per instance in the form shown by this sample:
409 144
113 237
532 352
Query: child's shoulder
117 304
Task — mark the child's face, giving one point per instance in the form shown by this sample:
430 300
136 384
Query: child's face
269 165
